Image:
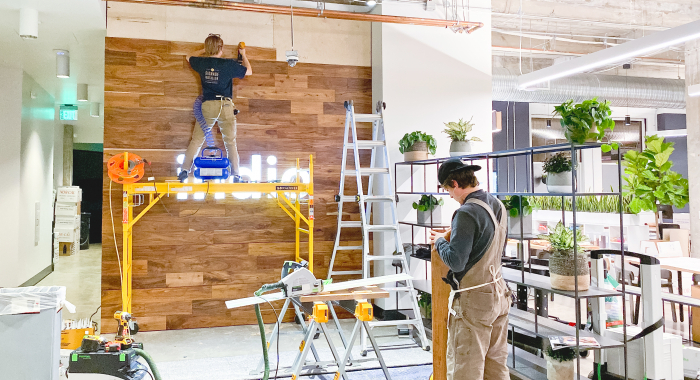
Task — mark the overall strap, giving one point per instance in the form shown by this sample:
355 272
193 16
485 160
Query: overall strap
488 209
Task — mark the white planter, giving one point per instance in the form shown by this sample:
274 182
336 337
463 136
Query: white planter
460 148
559 182
514 225
423 217
557 370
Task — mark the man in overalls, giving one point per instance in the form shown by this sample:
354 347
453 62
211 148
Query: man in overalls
480 299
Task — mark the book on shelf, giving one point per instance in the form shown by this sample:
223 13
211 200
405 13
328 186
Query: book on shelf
559 342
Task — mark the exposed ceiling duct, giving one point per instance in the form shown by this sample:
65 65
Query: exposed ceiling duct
619 90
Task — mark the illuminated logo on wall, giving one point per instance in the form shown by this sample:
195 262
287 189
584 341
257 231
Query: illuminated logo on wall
253 174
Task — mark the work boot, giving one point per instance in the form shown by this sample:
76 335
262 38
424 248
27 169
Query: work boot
182 177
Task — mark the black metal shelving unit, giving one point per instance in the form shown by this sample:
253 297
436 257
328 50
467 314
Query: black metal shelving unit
533 324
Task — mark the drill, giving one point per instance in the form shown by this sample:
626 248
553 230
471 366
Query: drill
241 45
125 322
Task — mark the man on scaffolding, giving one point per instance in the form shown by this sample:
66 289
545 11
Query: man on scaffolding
217 76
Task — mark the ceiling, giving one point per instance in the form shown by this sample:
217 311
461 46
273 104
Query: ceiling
541 31
78 26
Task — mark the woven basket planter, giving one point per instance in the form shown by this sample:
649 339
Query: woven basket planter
563 270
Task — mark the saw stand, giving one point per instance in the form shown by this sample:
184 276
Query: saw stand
319 307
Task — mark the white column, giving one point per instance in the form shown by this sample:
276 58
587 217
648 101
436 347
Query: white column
692 76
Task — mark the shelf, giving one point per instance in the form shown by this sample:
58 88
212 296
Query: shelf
543 283
523 320
524 237
420 258
528 366
425 225
530 194
508 153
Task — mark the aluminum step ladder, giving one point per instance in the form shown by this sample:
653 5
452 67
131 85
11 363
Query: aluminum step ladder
383 176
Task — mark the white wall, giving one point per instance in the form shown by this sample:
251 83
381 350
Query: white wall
10 130
318 40
36 179
428 76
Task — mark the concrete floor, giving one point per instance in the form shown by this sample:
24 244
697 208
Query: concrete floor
231 352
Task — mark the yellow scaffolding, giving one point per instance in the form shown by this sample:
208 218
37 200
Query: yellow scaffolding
157 190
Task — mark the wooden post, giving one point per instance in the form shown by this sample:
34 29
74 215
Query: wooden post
440 295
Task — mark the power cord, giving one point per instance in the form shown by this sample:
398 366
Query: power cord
145 370
277 321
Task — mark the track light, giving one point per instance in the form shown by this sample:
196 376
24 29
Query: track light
628 120
82 92
28 23
95 109
62 64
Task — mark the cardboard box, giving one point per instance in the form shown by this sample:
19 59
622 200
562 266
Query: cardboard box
71 339
67 209
65 235
67 222
72 194
66 249
695 293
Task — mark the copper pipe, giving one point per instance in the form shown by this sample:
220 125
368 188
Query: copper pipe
467 26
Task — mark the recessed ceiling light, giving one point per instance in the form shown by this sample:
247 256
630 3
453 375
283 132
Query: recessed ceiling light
62 64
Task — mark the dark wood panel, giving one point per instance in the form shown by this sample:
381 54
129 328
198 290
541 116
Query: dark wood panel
192 255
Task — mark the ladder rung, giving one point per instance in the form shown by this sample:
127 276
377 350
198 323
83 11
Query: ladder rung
348 248
392 257
381 227
378 198
398 289
346 272
369 144
394 323
366 117
368 171
347 198
351 223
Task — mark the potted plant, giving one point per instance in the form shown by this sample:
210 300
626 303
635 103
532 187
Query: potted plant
650 180
563 266
560 363
586 121
514 204
558 169
416 145
461 144
428 210
425 305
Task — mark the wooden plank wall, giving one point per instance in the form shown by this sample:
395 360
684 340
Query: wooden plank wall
190 256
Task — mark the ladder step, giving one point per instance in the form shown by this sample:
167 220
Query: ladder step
348 248
345 272
392 257
379 198
394 323
368 144
381 227
366 117
367 171
351 223
398 289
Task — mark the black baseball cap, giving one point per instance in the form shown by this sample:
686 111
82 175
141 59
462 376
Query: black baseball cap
453 165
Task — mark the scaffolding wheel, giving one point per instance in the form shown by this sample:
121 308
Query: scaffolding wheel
363 353
426 348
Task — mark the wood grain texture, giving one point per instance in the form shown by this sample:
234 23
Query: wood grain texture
440 300
192 255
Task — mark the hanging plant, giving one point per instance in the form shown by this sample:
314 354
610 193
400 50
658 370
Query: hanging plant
587 120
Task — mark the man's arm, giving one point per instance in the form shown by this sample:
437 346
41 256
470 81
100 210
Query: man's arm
456 252
246 63
197 53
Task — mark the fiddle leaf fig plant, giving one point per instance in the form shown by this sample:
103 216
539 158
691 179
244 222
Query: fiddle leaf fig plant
458 130
587 120
411 138
650 180
428 203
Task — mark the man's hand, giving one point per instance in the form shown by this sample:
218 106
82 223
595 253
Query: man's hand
436 234
246 63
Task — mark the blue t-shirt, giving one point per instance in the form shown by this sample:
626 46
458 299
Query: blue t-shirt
217 75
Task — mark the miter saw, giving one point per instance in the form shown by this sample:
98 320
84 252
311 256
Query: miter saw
298 281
